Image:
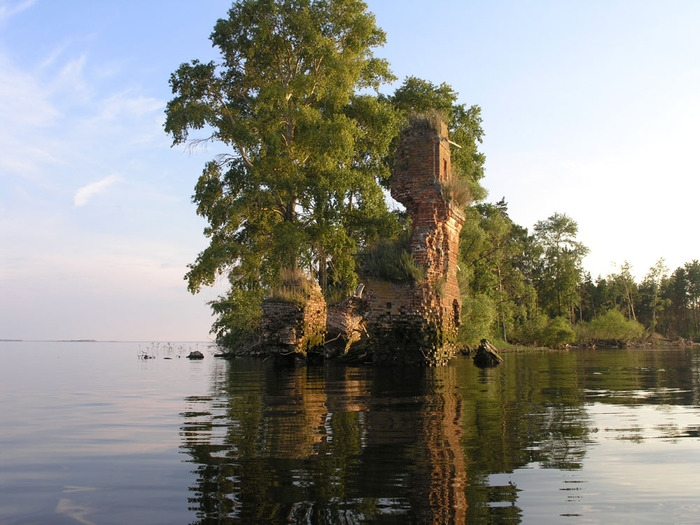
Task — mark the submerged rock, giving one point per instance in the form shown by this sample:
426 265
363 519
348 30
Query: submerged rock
486 355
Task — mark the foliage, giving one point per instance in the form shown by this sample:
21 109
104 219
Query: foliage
557 332
478 319
494 263
529 331
298 183
307 149
391 260
611 326
238 316
559 270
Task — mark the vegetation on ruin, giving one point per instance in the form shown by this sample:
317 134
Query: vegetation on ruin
293 287
391 260
457 191
298 186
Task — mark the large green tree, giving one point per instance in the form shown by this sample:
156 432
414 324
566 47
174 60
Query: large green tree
560 269
297 186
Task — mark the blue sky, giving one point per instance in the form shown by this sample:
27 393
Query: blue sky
590 108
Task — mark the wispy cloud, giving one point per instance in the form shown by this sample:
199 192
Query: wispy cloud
87 192
129 105
10 9
71 78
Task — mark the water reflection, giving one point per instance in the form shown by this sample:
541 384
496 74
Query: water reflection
455 444
331 444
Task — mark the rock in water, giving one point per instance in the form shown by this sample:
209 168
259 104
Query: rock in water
486 355
196 355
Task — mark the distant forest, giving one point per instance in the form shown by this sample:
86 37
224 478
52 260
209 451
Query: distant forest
531 288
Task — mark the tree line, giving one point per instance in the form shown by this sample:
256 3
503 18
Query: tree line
531 288
299 193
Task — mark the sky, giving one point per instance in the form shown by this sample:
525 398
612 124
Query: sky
590 108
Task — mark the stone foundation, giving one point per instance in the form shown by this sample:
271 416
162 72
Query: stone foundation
407 325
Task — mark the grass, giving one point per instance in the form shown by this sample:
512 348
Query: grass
391 260
457 191
293 287
432 119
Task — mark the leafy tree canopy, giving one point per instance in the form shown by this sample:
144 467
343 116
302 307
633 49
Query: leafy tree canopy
298 186
284 99
560 268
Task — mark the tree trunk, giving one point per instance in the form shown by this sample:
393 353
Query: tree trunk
322 270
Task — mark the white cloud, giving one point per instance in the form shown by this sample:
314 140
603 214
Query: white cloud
71 78
8 9
23 101
127 105
84 194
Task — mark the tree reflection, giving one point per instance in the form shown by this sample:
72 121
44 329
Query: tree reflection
339 444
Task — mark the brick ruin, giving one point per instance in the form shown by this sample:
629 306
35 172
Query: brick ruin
289 328
402 323
418 322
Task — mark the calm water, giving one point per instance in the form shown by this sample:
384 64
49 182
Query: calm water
92 434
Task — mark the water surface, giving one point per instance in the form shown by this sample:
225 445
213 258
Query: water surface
93 434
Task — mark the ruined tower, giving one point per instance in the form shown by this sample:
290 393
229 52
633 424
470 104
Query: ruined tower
418 322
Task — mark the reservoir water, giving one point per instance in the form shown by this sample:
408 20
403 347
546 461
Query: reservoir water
91 433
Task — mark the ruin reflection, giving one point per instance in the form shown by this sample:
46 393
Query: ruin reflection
339 444
421 410
329 444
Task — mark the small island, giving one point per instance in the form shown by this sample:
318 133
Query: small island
353 223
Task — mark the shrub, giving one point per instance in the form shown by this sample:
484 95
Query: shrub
612 326
557 332
478 318
530 331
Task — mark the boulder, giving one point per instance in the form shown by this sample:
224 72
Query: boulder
195 355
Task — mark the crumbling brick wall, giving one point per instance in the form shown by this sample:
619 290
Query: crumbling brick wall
425 316
345 325
294 328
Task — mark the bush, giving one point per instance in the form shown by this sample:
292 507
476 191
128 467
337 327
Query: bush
557 332
478 318
612 326
530 331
